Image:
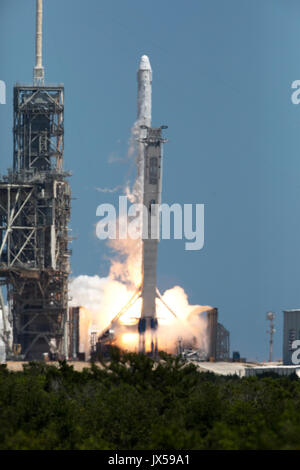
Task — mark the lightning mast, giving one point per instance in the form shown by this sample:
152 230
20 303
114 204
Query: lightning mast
38 71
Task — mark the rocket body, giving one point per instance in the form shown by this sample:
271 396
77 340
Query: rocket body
150 172
147 191
151 200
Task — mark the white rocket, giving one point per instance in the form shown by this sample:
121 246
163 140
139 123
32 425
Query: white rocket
149 168
150 160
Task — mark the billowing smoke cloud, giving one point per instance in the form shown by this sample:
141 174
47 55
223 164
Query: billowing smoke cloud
189 326
103 298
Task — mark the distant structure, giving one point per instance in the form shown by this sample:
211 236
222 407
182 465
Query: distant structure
218 338
34 216
291 332
271 331
73 332
223 344
212 325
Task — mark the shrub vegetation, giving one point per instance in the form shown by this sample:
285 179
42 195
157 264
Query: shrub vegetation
135 403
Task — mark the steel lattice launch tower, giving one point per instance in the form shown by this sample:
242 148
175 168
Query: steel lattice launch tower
34 216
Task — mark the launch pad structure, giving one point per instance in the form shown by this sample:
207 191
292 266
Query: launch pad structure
35 205
34 215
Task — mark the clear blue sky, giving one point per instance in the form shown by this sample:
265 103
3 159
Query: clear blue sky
222 72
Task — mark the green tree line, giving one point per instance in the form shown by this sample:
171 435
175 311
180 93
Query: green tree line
135 403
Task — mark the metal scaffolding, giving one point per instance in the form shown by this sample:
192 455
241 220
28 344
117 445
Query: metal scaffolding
34 215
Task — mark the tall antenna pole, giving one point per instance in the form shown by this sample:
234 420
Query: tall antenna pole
271 317
38 73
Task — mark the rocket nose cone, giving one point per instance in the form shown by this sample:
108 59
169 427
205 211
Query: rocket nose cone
145 63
